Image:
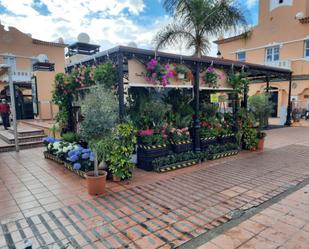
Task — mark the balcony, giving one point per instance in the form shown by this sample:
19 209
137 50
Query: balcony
18 76
286 64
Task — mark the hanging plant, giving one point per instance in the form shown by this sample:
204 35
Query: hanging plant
181 72
156 74
211 77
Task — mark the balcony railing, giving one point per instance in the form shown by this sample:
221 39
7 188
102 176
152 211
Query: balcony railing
18 76
286 64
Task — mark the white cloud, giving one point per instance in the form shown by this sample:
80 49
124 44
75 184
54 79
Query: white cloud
251 3
108 22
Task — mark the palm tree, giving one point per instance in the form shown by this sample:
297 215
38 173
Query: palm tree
197 20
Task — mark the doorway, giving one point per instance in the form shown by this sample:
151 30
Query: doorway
274 93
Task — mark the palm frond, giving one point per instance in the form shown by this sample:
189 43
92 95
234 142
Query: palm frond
171 34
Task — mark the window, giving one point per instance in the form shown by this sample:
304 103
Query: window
241 56
307 48
11 61
272 54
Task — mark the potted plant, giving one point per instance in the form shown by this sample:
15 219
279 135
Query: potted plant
96 179
261 139
211 77
180 139
100 111
119 157
181 72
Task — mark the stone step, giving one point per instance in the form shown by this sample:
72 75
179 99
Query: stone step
8 137
22 146
24 131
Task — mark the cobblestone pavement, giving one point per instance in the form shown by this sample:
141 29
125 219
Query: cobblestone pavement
284 225
42 201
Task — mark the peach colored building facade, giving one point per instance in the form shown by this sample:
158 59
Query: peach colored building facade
280 39
20 51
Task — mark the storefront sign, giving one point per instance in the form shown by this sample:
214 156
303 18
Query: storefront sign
214 98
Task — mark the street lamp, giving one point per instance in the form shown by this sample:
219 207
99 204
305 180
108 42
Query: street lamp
13 110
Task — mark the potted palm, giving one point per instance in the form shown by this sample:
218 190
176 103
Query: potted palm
100 111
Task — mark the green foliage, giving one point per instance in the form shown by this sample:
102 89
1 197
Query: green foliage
221 148
153 114
239 83
197 20
261 108
70 137
208 110
122 148
247 134
182 111
62 118
100 111
155 139
105 74
250 139
177 158
180 69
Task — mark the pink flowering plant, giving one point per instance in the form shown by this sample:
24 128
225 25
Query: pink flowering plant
211 77
150 137
156 73
179 135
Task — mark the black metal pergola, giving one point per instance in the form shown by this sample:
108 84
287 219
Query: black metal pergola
120 56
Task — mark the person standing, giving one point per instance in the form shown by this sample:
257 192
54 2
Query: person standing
5 113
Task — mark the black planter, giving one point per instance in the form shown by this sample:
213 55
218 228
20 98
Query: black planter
181 146
229 138
146 154
205 142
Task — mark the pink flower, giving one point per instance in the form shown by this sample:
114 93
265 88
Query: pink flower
148 132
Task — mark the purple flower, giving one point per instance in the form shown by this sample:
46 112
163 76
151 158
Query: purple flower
86 150
85 156
73 158
76 166
91 157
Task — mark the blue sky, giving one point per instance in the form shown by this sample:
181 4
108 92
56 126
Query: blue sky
108 22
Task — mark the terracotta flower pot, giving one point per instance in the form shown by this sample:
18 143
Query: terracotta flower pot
261 144
116 178
96 184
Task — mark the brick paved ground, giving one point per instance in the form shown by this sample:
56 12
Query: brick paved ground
284 225
42 201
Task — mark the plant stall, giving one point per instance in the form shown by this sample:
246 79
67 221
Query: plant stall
126 100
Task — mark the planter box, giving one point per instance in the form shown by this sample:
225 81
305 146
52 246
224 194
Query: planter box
182 146
178 165
78 172
223 154
228 138
146 154
52 157
205 142
66 165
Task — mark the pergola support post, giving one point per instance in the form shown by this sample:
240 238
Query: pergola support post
289 107
120 86
196 121
267 84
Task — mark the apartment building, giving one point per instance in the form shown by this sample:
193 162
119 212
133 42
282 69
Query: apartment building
280 39
33 84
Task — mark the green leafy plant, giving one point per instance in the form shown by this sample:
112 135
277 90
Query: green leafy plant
250 139
239 82
70 137
211 77
105 74
261 108
119 158
100 111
